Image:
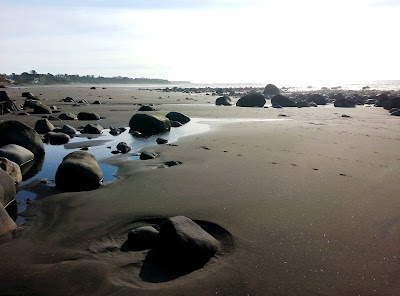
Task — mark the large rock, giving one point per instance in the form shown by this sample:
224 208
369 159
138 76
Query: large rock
40 108
67 116
16 153
317 99
183 243
69 130
271 90
7 188
223 101
12 169
92 129
251 100
302 103
176 116
6 223
392 103
43 126
88 116
148 124
343 102
15 132
282 101
381 99
58 138
7 103
79 171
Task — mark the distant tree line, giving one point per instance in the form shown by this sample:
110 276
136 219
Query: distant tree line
32 77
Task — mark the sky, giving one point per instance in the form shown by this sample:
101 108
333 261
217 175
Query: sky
204 41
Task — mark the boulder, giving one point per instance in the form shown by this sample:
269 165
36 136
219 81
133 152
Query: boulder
161 141
175 123
251 100
67 116
271 90
79 171
343 102
392 103
146 108
92 129
317 99
43 126
88 116
302 104
7 189
381 99
26 94
69 130
16 153
123 147
6 223
282 101
172 163
7 103
40 108
29 104
58 138
12 169
141 238
149 124
396 113
145 155
96 103
68 100
176 116
115 131
184 244
15 132
223 101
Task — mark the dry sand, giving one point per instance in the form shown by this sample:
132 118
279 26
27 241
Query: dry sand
307 206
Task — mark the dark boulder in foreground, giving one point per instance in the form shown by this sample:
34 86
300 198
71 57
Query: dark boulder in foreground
67 116
343 102
317 99
15 132
7 188
184 244
6 223
92 129
223 101
141 238
271 90
282 101
145 155
16 153
176 116
251 100
149 124
43 126
88 116
79 171
146 108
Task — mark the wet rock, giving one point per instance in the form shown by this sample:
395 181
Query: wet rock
184 244
88 116
68 100
145 155
92 129
312 104
172 163
16 153
115 131
317 99
96 103
343 102
12 168
69 130
135 134
161 141
175 123
176 116
277 107
6 223
141 238
58 138
149 124
79 171
346 116
123 147
26 94
396 113
223 101
271 90
40 108
282 101
7 188
251 100
43 126
146 108
67 116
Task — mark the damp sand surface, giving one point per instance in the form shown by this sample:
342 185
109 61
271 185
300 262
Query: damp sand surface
308 206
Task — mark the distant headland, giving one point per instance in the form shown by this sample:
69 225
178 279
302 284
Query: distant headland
32 77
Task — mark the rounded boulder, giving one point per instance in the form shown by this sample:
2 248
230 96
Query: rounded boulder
149 124
251 100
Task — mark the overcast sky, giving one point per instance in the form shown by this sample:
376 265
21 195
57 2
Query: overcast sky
257 41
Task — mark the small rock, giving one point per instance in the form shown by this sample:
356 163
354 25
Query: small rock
161 141
141 238
123 147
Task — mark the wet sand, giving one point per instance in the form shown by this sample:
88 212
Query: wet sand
309 205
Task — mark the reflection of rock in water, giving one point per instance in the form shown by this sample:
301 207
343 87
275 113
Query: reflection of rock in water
33 167
12 210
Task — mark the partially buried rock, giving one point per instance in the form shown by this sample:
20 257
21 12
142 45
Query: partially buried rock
223 101
115 131
172 163
302 103
184 244
15 132
79 171
251 100
40 108
175 123
145 155
176 116
149 124
123 147
88 116
68 100
317 99
67 116
346 103
58 138
141 238
7 103
92 129
43 126
7 189
6 223
282 101
146 108
12 169
16 153
69 130
161 141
